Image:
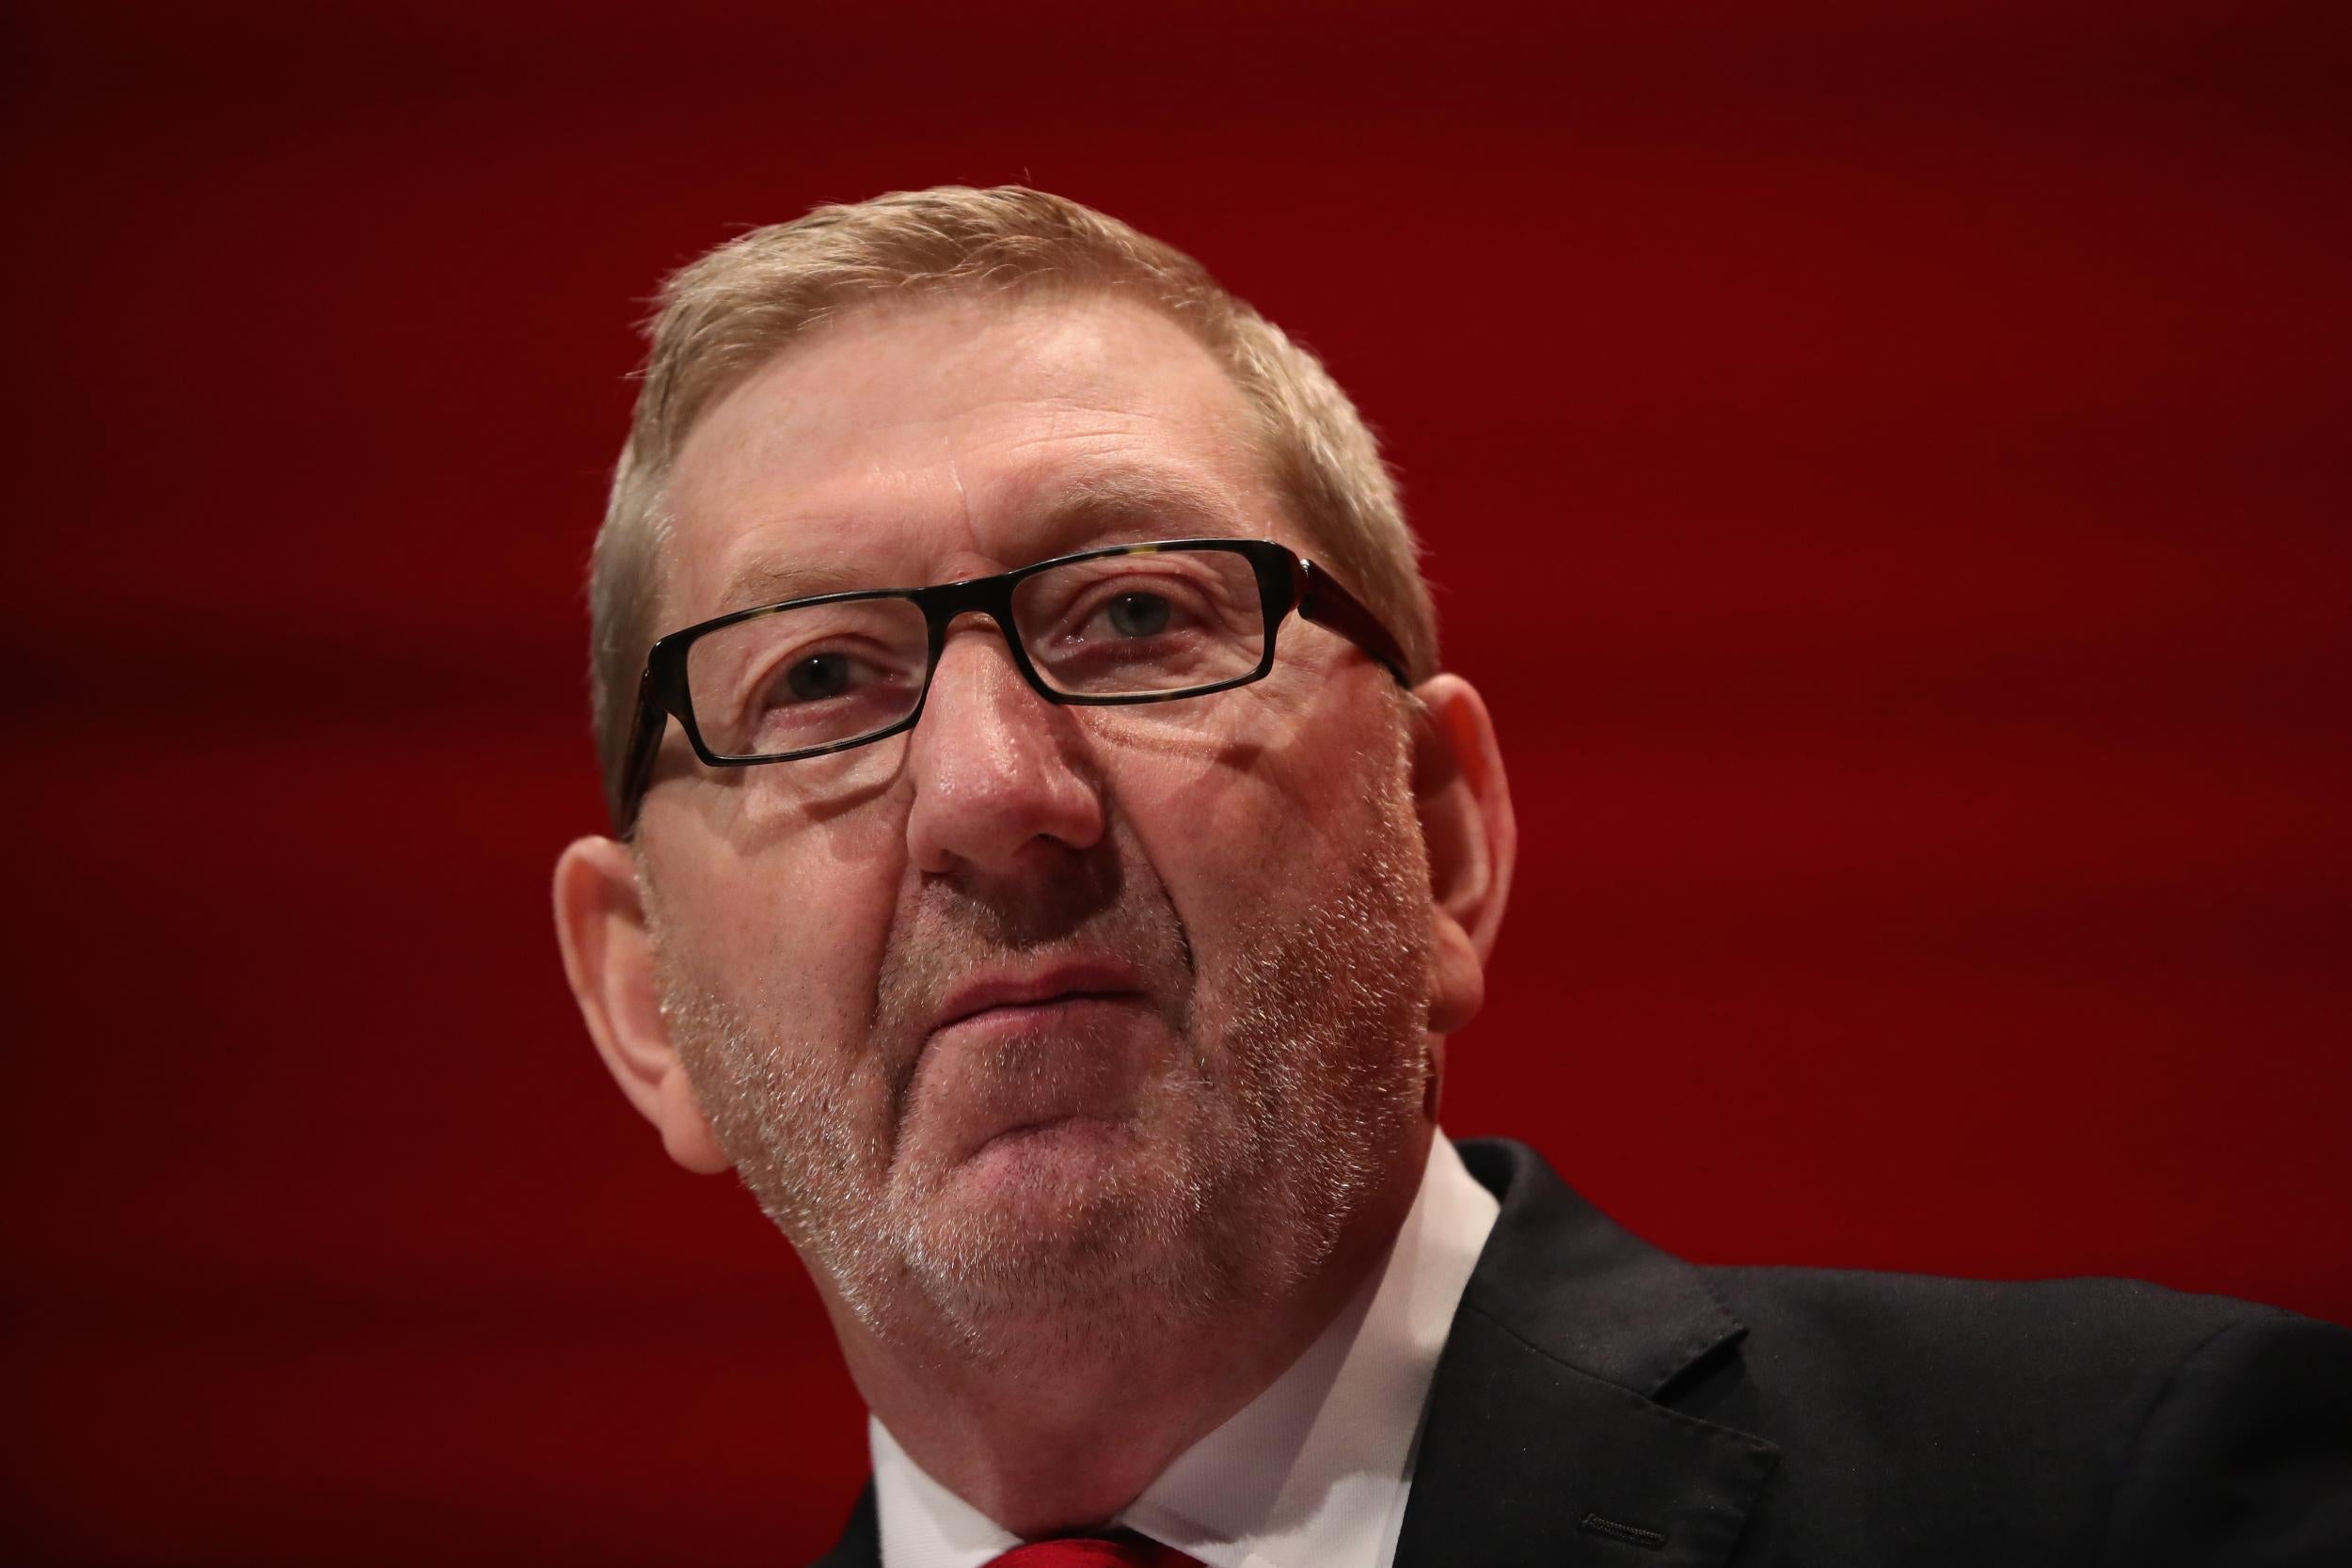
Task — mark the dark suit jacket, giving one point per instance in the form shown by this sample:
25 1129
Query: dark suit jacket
1600 1402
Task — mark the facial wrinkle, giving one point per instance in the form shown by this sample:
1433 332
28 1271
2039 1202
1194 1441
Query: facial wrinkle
964 496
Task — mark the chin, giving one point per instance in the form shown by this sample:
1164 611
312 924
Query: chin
1075 1226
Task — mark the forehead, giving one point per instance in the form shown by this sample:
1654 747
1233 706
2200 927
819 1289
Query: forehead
956 435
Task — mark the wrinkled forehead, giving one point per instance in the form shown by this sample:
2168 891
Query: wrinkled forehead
954 436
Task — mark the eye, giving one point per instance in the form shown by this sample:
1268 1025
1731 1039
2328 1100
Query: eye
819 676
1138 614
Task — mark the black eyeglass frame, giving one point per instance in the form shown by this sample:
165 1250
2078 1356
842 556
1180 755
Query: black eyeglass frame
1286 581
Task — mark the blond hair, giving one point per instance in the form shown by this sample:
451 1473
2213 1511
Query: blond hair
731 312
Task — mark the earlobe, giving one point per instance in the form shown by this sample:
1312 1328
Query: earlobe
1464 801
600 924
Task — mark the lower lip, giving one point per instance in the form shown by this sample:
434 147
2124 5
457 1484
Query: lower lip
1028 1017
1036 1085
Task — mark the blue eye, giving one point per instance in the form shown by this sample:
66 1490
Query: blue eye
1138 614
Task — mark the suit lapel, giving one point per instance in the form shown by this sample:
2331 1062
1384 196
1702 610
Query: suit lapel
1546 1440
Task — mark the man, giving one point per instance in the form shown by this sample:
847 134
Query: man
1049 863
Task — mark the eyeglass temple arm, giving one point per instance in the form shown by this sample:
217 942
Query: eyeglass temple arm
645 746
1327 602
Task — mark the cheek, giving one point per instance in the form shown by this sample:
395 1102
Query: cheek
1252 836
793 930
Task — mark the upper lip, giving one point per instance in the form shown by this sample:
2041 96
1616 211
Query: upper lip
1015 987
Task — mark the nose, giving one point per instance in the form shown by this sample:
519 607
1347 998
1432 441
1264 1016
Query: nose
998 772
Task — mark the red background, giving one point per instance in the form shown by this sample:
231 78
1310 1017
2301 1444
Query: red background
1888 470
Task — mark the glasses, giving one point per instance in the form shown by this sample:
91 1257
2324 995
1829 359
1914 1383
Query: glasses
1125 624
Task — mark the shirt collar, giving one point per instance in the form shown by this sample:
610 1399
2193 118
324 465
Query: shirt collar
1313 1472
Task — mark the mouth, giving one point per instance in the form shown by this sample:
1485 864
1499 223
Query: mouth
1016 1000
1040 1064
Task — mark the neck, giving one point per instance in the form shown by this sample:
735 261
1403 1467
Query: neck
1045 1438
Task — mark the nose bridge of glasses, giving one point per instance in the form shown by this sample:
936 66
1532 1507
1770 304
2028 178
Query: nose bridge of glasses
951 608
950 627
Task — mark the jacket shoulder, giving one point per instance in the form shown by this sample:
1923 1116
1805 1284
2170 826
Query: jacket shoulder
2101 1419
2086 1328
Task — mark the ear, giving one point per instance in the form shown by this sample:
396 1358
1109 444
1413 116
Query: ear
1473 839
608 956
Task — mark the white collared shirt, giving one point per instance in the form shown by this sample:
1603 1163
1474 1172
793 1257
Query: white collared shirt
1312 1473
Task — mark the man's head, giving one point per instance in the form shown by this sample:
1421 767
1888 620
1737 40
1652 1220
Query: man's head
737 307
1033 1024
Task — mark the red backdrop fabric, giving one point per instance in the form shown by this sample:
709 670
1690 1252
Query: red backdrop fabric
1886 465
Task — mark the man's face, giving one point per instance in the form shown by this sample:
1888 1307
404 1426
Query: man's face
1082 1013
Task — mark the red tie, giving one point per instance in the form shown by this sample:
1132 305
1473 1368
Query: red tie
1128 1551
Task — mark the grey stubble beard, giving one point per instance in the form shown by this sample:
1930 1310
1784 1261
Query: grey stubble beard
1274 1130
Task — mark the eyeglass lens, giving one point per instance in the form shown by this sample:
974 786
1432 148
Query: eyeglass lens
820 675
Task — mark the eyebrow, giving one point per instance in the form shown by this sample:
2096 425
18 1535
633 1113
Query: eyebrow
1100 506
766 582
